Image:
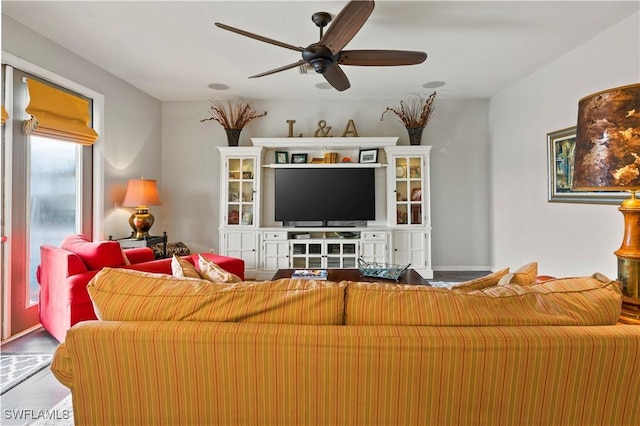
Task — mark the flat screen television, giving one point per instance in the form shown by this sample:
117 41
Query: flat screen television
337 195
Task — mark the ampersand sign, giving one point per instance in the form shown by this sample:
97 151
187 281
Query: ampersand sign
323 130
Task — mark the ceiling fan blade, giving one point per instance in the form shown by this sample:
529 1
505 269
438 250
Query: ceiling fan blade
381 57
286 67
259 37
346 25
336 77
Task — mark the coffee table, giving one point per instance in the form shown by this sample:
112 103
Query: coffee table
409 277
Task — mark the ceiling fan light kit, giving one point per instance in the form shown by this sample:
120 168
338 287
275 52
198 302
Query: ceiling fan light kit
326 55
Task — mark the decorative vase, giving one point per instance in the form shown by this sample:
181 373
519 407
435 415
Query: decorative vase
415 135
233 136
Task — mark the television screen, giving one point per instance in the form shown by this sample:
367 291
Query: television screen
325 194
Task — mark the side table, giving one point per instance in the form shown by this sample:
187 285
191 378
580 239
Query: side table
145 242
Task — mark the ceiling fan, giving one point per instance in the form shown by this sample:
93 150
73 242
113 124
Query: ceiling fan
326 55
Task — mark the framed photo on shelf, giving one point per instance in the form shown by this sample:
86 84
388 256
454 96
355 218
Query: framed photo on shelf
561 145
299 158
247 218
414 172
368 155
416 194
282 157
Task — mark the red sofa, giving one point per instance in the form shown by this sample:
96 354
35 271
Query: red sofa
64 272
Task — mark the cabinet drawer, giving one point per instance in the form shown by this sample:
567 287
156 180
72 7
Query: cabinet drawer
372 235
275 236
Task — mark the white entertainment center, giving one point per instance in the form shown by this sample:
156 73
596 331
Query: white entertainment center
400 233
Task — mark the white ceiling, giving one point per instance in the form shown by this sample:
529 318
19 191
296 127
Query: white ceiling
172 51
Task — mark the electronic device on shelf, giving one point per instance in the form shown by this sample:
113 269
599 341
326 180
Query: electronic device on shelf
327 196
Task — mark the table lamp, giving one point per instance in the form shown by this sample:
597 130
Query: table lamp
607 158
141 193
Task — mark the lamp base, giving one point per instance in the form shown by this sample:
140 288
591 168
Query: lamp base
629 261
629 276
630 311
141 221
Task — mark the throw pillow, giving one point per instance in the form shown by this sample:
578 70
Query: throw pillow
212 272
183 268
95 254
594 300
482 282
129 295
526 275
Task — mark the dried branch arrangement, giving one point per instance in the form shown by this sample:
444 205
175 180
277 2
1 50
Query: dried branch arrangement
414 113
232 114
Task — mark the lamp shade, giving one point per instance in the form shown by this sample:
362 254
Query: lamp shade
141 193
607 149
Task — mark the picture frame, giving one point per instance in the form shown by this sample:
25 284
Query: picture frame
560 153
247 218
416 194
368 155
414 172
282 157
299 158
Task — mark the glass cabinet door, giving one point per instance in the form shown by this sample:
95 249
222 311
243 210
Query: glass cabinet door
306 255
240 191
409 185
342 255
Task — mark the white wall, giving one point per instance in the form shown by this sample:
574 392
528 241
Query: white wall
566 239
131 138
458 133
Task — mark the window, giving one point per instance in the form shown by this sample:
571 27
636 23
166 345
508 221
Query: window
48 185
53 175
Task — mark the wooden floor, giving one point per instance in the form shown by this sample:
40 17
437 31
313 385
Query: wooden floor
43 391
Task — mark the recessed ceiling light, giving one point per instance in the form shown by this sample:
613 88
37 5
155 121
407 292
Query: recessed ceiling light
218 86
433 84
323 86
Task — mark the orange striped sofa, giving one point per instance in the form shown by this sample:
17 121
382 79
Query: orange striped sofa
185 351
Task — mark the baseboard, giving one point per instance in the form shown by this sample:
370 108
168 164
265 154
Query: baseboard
20 334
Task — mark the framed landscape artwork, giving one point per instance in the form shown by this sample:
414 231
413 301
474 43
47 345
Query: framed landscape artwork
299 158
368 155
561 146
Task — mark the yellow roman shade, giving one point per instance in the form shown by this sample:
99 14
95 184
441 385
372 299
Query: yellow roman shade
5 115
57 114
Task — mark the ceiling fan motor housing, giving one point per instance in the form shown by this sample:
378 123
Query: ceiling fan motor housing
319 57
